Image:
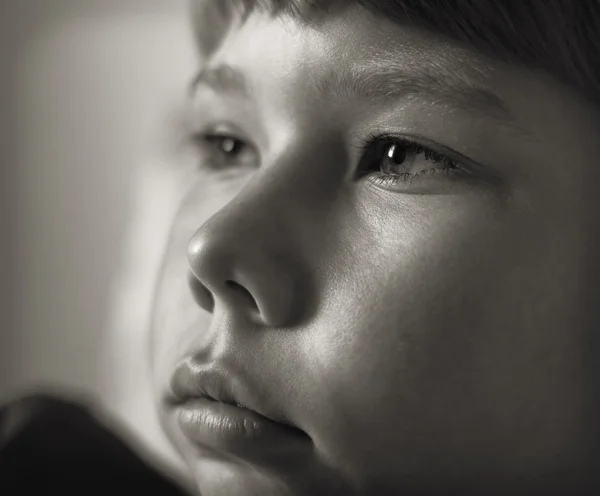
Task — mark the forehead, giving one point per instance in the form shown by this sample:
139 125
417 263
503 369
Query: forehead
284 61
354 38
215 21
351 56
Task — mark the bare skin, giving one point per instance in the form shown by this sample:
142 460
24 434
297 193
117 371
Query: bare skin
424 332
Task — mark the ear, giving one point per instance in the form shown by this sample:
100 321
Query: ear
211 20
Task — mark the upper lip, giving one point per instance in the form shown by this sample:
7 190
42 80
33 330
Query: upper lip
217 383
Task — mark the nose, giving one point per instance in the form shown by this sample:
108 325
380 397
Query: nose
244 258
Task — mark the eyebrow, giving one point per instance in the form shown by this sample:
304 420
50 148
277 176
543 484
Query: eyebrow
379 82
223 78
383 81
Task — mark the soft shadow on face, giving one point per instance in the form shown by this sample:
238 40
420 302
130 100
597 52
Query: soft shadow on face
419 332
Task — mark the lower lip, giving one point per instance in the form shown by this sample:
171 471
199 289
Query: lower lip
230 428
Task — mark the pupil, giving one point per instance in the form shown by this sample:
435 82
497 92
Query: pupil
397 154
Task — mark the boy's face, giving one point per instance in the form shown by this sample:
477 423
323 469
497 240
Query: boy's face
416 331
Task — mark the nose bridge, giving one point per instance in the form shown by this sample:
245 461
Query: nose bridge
252 221
246 256
284 201
254 255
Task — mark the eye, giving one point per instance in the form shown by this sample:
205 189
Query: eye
222 151
389 159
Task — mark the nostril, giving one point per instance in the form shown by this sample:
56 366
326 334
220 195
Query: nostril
201 294
242 291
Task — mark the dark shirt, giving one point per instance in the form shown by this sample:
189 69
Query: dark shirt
59 447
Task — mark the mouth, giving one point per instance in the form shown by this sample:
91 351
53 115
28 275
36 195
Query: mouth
213 409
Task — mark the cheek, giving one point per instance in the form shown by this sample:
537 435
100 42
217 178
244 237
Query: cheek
426 333
399 281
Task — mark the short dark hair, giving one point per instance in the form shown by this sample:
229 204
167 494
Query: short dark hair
558 37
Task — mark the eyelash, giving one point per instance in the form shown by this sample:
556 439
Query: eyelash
370 160
377 143
212 148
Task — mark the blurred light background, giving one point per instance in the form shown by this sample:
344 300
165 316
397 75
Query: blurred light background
87 88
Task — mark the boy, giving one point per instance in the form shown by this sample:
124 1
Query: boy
381 278
388 242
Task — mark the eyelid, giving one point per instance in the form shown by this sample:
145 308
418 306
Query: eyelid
211 158
213 116
468 164
223 129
